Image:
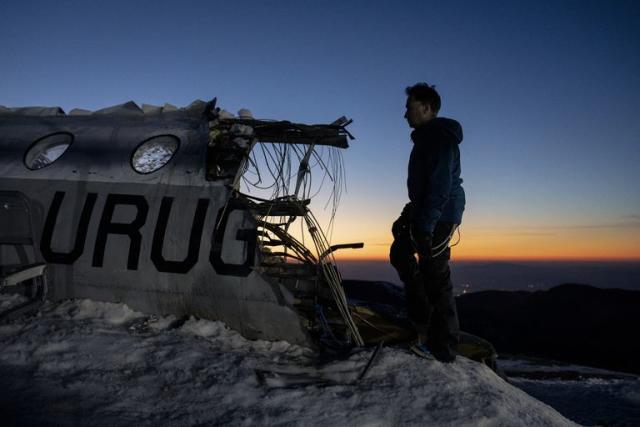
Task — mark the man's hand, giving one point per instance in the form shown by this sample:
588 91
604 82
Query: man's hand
401 224
421 242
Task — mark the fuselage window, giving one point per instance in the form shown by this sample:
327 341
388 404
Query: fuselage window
154 153
47 150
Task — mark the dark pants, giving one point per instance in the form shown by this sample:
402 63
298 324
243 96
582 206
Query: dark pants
429 291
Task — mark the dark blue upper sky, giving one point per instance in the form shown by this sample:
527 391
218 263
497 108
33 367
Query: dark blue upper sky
547 91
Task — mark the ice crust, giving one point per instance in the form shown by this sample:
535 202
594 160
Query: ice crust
93 363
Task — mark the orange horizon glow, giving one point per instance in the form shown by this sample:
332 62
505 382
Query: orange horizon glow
566 246
514 239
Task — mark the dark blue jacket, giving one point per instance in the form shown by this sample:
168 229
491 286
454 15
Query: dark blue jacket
434 183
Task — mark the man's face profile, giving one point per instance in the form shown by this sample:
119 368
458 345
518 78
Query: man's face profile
417 113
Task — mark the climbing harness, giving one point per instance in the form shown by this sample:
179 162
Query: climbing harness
441 247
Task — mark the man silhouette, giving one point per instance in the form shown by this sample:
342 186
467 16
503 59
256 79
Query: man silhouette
428 222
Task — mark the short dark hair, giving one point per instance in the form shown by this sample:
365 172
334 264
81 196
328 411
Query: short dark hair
425 93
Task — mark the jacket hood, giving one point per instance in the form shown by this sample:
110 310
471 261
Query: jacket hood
437 128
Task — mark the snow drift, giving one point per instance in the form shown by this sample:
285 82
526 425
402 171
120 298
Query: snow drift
85 362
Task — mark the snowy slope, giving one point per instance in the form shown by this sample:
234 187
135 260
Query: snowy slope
587 395
91 363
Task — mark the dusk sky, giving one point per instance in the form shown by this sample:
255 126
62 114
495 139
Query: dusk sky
548 94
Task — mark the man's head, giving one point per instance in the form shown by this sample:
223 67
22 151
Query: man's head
423 104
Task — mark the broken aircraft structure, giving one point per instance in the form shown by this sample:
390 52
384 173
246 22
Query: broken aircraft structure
143 206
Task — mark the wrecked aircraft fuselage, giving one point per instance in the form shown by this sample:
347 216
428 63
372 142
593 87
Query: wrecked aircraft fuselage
145 208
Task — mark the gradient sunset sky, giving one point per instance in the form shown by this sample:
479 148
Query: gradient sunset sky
548 93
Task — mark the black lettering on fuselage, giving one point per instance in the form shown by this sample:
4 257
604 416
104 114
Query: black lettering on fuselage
215 256
132 229
194 239
81 233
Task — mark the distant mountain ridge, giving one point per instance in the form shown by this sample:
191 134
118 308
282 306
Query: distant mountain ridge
507 275
572 322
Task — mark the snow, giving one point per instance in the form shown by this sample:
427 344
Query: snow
593 401
245 113
85 362
224 114
584 394
154 154
8 301
49 156
242 130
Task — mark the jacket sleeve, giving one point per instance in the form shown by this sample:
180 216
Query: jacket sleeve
438 164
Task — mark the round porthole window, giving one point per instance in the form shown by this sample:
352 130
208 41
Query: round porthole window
154 153
47 150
